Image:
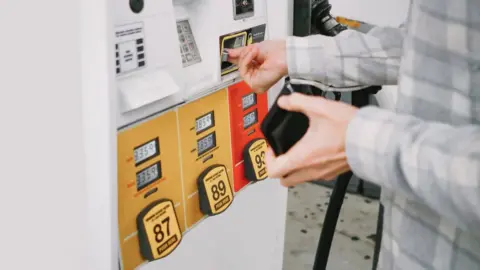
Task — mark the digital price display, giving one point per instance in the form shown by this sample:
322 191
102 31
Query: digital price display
206 143
254 158
148 175
146 151
250 119
159 231
204 122
249 101
215 190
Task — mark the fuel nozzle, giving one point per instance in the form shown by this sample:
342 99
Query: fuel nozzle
322 21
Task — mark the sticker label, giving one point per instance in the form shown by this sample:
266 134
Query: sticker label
257 155
219 191
162 228
188 46
129 47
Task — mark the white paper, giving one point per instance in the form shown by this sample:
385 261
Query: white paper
141 90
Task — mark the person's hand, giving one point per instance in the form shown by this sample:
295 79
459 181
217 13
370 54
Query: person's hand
261 65
320 154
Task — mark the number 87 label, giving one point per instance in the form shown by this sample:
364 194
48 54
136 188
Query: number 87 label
158 230
215 190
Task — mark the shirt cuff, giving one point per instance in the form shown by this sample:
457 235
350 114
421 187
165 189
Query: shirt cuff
368 146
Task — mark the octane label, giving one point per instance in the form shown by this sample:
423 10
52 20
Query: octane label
218 189
162 229
257 155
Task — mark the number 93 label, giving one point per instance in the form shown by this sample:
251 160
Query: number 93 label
254 160
215 191
158 230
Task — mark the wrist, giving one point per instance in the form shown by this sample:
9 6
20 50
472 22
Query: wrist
297 58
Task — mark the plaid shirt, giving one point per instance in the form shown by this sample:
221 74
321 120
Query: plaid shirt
426 154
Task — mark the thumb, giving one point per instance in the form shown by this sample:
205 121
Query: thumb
302 103
234 54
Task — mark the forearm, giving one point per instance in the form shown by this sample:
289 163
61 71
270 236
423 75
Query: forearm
435 163
348 59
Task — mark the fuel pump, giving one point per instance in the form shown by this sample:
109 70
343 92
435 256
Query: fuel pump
283 129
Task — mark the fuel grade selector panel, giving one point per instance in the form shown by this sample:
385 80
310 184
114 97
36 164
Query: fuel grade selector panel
159 232
204 128
148 171
215 190
254 158
247 111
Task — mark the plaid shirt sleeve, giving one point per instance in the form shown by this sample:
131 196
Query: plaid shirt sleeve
409 155
348 59
399 152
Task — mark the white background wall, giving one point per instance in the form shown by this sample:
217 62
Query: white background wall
56 151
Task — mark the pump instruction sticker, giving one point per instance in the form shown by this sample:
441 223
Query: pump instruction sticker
129 47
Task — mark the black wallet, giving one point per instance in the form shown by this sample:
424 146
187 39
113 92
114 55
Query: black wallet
282 128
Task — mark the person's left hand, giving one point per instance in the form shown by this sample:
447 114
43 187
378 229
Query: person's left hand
320 154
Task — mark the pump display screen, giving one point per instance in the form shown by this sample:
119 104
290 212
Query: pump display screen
204 122
146 151
250 119
249 100
243 6
148 175
206 143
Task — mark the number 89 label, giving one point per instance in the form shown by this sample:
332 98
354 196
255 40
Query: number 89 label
158 229
216 193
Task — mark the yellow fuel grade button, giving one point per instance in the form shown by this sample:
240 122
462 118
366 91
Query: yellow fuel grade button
159 231
214 189
254 160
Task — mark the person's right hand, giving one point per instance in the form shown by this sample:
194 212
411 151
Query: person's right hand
261 65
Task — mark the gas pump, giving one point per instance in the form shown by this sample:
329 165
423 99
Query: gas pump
189 140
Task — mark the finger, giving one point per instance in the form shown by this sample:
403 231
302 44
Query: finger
244 64
269 156
296 157
300 103
234 54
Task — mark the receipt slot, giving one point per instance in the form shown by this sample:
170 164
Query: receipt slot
206 156
150 196
247 111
